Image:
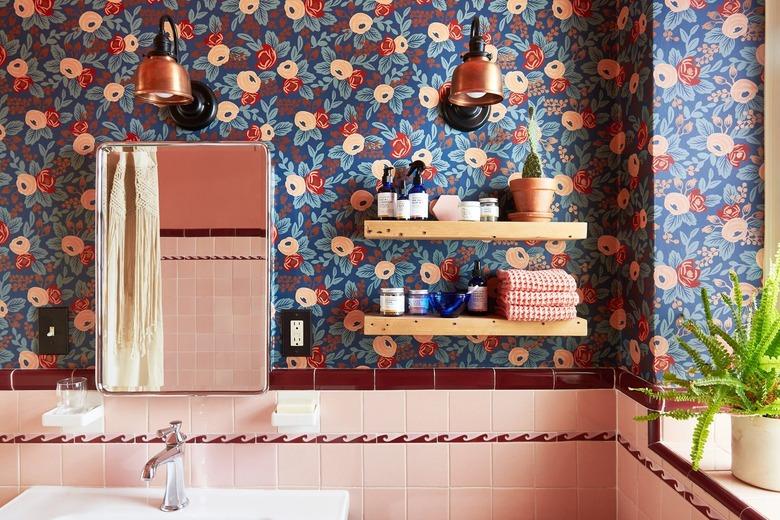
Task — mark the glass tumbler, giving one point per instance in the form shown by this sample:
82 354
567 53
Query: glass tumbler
71 394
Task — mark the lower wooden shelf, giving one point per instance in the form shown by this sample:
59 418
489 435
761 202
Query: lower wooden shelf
376 325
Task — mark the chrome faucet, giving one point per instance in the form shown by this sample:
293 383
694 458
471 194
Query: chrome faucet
173 457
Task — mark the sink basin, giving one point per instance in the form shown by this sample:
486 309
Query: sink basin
72 503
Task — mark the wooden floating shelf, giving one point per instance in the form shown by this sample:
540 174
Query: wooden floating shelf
376 325
456 230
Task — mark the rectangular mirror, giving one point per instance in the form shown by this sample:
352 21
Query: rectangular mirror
182 270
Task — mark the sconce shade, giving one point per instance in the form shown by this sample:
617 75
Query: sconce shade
476 82
161 81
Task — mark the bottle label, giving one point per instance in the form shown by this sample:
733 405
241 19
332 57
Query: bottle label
386 205
391 303
489 211
403 209
419 203
478 301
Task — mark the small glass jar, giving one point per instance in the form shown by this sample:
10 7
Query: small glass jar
417 301
469 210
391 301
488 209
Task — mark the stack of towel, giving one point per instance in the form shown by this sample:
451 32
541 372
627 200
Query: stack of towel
549 295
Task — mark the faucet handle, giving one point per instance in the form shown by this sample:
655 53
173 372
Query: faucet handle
172 435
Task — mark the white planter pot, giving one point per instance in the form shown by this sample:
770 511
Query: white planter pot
755 451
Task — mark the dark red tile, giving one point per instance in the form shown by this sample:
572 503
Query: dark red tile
404 379
584 378
626 381
171 232
222 232
751 514
653 432
718 492
197 232
465 378
291 379
5 378
344 379
89 373
250 232
39 379
525 379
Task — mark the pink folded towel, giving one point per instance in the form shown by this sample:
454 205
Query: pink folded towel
543 299
531 313
548 280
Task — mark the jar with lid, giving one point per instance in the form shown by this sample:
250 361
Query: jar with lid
391 301
488 209
469 210
417 301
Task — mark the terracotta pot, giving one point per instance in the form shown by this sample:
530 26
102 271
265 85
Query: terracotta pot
533 199
755 450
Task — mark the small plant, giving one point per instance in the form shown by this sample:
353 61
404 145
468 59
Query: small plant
742 376
532 169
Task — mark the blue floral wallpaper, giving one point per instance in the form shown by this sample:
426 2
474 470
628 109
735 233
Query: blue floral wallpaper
651 121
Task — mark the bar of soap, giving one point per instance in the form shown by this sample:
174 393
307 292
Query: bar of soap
447 207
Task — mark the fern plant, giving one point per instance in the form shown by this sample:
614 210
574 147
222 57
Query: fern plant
532 168
742 376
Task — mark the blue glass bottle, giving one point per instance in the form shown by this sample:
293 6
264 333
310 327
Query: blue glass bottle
478 301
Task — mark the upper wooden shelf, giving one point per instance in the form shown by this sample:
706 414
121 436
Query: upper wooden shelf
455 230
376 325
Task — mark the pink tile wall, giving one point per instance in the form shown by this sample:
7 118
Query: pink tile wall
406 480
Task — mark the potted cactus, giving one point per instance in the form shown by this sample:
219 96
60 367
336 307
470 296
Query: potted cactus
741 377
533 194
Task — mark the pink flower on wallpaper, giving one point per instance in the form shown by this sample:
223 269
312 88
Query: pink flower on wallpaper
688 72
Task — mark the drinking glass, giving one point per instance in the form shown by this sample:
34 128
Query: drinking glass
71 394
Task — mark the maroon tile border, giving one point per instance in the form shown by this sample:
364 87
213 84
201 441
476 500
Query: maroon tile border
291 379
207 232
525 379
575 378
465 379
411 379
625 380
344 379
41 379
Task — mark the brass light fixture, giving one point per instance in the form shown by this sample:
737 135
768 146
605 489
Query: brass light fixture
161 81
476 85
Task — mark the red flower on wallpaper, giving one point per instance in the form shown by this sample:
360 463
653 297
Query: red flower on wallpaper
582 7
248 98
615 127
113 8
583 356
429 173
22 84
729 7
45 181
520 135
350 304
292 85
729 211
559 85
620 79
293 261
386 46
534 57
55 294
615 303
588 118
688 273
641 136
583 182
401 146
490 167
622 255
587 293
5 233
47 360
636 31
266 57
738 155
24 261
643 328
662 163
383 9
321 118
186 30
688 72
3 55
356 79
357 255
214 39
515 98
315 8
456 31
697 201
349 128
559 260
52 118
132 137
315 183
450 270
698 4
44 7
490 344
663 363
116 45
253 133
427 349
79 304
317 358
385 362
323 296
79 127
87 255
86 77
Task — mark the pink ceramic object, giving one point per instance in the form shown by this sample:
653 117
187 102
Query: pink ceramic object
447 207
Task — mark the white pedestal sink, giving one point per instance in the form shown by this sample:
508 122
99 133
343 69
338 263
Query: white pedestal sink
72 503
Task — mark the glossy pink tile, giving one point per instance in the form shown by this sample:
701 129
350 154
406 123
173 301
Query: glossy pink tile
253 413
427 504
674 506
627 409
384 504
470 464
126 414
212 465
513 464
426 411
164 409
470 410
513 410
556 504
212 414
513 503
596 410
427 465
649 494
626 508
384 411
355 503
9 411
9 464
384 465
342 412
124 463
555 410
83 465
40 464
627 474
299 465
255 465
33 404
471 504
597 464
598 504
342 465
555 465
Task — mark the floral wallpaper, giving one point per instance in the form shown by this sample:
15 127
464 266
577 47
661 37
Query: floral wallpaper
337 88
707 163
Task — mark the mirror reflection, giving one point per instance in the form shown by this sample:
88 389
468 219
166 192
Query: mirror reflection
182 270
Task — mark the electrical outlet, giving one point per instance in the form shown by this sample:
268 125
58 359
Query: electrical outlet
296 332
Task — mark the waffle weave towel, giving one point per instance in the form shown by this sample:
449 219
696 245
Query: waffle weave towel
543 299
531 313
548 280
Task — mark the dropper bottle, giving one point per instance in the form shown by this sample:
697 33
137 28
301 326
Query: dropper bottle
386 196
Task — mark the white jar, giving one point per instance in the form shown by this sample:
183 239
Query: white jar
469 210
391 301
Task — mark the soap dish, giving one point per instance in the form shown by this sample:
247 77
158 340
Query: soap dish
55 418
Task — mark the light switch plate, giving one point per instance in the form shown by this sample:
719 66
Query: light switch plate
53 333
296 332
